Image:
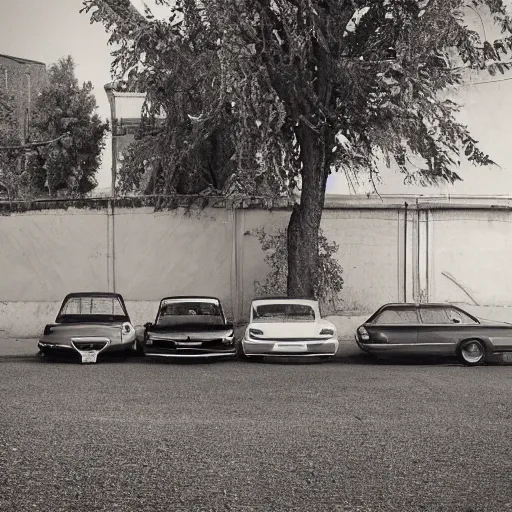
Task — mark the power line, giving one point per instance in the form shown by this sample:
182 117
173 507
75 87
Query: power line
33 144
489 81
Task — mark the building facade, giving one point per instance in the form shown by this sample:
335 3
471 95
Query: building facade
125 112
22 79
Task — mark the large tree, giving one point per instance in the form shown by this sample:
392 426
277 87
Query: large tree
302 88
65 110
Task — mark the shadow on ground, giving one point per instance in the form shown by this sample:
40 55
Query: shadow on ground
343 358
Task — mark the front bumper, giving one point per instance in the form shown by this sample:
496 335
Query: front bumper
391 348
188 349
86 345
55 347
283 348
361 345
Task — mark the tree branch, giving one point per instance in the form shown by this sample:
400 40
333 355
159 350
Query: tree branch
33 144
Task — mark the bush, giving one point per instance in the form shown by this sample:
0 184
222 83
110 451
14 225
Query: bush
330 281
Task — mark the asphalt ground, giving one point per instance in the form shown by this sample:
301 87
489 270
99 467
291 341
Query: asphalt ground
351 434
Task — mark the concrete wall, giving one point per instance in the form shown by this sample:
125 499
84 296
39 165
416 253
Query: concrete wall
457 250
45 255
473 249
169 253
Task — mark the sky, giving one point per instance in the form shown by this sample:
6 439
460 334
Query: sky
45 30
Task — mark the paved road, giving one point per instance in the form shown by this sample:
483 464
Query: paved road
347 435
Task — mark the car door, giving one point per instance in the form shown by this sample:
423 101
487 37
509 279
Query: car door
441 328
395 326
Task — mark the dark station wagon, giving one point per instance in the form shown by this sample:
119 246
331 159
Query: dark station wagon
437 329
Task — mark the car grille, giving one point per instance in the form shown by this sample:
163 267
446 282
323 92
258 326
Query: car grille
89 345
291 340
184 351
168 343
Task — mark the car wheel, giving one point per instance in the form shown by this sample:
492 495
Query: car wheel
240 352
471 352
137 348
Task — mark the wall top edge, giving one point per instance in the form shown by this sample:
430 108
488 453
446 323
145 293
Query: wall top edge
193 203
121 94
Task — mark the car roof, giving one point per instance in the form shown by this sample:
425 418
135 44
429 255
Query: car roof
93 294
419 304
283 297
410 305
284 300
184 297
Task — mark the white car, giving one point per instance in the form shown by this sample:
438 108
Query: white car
288 327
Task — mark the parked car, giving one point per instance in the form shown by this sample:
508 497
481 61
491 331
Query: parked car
288 327
440 329
189 327
88 324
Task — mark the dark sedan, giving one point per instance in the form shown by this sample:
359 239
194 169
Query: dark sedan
189 327
437 329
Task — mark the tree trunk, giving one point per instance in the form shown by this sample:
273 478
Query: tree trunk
303 260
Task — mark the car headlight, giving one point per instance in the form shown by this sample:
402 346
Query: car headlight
363 333
255 332
327 332
229 339
127 332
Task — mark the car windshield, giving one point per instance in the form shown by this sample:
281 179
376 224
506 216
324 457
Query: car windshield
90 307
175 312
283 313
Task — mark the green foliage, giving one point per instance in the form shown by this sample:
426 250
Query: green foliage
10 160
69 165
263 70
330 280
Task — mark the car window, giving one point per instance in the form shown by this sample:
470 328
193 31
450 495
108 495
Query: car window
283 313
397 316
182 312
190 308
455 314
444 316
90 305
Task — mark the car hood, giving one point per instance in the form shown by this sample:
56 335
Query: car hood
292 330
485 321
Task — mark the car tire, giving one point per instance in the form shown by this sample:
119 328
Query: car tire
137 348
240 352
471 352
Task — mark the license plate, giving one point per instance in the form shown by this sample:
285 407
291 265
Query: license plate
290 347
89 357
